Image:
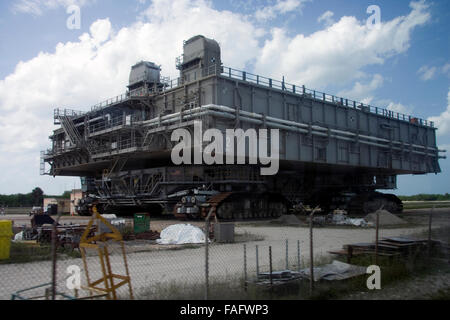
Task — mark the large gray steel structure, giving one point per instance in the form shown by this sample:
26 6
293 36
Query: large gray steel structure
333 151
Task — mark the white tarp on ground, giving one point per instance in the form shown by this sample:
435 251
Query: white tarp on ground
342 219
181 234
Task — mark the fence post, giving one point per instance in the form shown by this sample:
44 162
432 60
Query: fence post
287 254
429 231
311 256
54 255
349 254
206 261
257 263
245 267
311 252
53 289
270 266
207 254
376 237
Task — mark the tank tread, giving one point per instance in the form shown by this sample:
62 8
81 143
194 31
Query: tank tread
364 204
247 206
215 202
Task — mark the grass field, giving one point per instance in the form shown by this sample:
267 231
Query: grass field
21 210
26 253
408 205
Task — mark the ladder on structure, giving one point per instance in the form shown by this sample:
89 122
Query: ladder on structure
69 128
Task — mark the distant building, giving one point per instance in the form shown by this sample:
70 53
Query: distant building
75 196
63 204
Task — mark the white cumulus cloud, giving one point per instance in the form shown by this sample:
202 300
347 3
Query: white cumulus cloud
427 73
38 7
364 91
442 122
281 7
400 108
339 53
326 17
446 69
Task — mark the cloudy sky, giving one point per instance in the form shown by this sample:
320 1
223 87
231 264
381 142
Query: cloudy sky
402 63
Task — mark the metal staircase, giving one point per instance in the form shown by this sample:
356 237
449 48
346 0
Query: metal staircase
72 132
155 183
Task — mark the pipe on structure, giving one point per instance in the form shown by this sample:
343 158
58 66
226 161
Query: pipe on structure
250 117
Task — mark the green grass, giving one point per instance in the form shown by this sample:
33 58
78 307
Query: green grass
393 272
25 253
442 233
17 210
425 205
443 294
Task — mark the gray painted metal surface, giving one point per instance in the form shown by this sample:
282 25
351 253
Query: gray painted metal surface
317 130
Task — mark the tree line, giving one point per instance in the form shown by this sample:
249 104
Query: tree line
33 199
426 197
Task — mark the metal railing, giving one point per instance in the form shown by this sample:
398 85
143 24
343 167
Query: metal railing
270 83
115 123
59 113
143 92
317 95
119 146
109 124
109 102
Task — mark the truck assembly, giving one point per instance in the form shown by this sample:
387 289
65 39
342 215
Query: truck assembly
333 152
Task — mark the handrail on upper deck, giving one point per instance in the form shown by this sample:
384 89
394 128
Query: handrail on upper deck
265 82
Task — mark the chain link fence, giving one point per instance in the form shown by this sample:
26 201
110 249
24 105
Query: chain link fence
212 270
